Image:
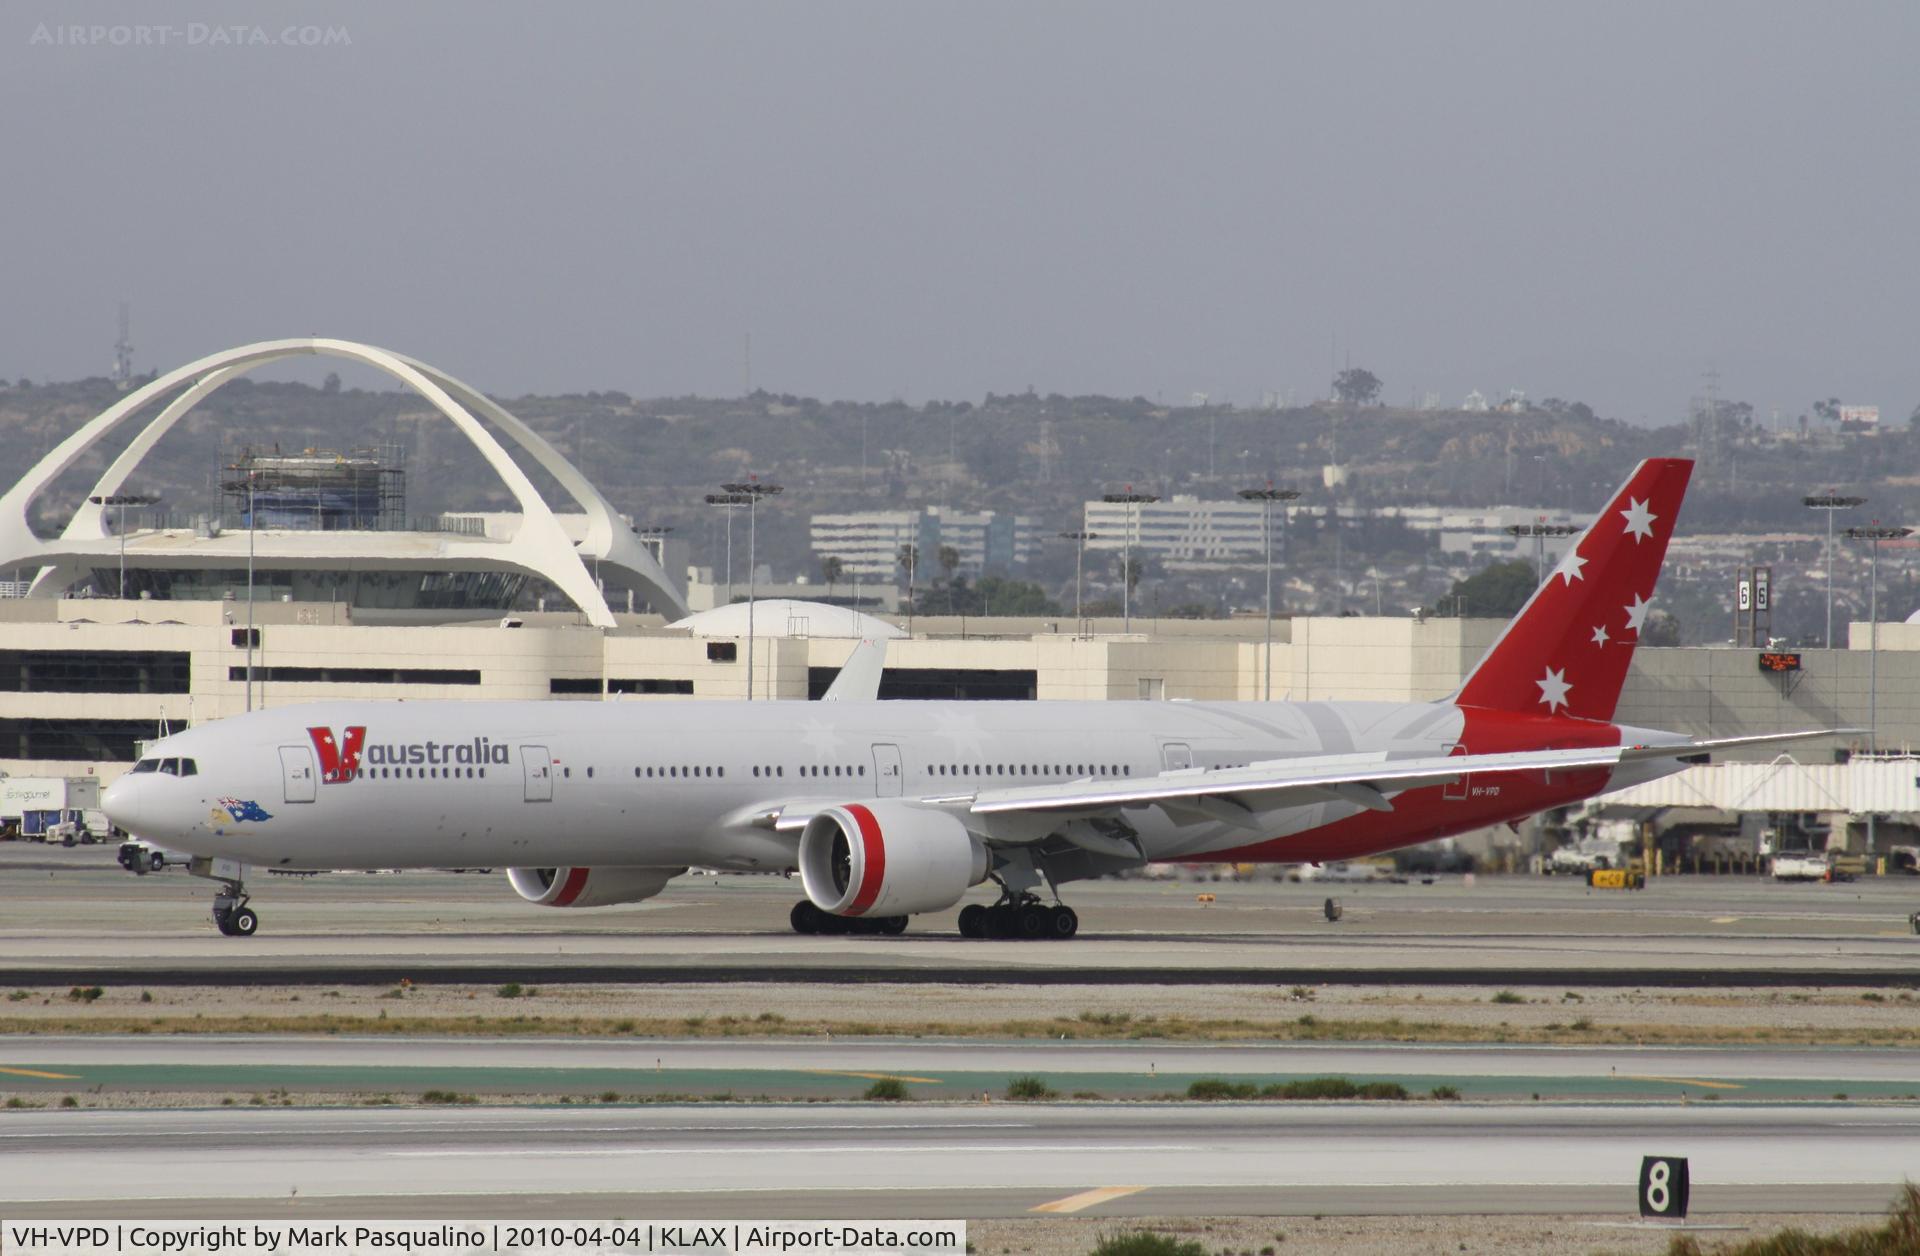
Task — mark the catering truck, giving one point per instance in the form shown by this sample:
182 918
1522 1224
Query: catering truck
39 807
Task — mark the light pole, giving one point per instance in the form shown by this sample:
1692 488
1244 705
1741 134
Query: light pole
1267 497
1081 536
250 514
729 500
1133 501
1830 502
120 502
1875 534
1540 531
753 488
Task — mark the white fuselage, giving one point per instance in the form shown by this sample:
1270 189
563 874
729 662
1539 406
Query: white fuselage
460 784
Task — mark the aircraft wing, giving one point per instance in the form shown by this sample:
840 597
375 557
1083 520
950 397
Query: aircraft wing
1234 795
1363 779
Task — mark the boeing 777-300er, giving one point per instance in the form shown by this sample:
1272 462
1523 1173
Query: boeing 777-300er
892 809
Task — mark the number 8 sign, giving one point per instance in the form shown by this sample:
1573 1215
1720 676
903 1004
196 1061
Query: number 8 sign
1663 1186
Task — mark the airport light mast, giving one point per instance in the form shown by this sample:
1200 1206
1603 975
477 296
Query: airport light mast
1540 530
1830 502
1134 501
729 500
1874 535
1082 536
1267 497
753 488
120 502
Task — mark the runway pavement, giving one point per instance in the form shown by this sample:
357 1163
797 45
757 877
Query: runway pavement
75 918
829 1160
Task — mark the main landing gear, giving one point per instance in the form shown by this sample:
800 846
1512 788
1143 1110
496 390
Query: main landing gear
1021 916
806 918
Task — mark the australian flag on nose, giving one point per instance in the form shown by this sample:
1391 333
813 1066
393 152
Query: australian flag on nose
244 809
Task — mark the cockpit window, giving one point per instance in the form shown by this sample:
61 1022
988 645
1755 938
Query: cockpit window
189 768
147 765
170 766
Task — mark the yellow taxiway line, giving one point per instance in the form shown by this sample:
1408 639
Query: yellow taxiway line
1087 1199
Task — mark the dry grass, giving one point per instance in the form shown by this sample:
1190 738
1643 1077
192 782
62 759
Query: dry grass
1098 1029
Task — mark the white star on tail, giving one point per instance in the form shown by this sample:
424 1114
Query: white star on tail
1569 568
1637 612
1639 519
1554 689
1599 634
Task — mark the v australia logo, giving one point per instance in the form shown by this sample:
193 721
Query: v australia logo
339 759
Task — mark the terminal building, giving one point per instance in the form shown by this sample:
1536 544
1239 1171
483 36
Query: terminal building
92 664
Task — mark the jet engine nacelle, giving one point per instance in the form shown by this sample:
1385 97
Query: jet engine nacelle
588 887
888 858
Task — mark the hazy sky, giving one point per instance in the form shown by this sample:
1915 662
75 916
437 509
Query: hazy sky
1594 201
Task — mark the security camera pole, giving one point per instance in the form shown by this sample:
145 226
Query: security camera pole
1267 497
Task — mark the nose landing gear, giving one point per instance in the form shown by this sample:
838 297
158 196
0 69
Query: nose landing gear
231 915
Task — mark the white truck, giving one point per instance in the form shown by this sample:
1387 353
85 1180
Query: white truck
52 808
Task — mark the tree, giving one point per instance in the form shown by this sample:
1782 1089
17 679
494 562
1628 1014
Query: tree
1498 592
1828 410
331 384
949 559
1661 629
909 557
831 569
1356 386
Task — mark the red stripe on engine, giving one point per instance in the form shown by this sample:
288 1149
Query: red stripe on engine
873 872
576 882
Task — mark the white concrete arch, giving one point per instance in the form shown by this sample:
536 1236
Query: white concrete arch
539 545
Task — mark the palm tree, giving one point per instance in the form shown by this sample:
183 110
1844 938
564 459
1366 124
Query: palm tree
831 569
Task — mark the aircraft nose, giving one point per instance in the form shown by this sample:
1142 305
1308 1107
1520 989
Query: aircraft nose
121 802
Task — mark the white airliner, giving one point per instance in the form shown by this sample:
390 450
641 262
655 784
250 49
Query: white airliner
891 809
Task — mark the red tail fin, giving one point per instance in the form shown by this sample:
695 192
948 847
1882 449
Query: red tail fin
1567 651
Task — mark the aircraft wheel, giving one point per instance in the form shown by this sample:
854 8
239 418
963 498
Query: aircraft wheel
805 917
973 921
244 922
223 921
1065 922
892 926
1034 921
1000 922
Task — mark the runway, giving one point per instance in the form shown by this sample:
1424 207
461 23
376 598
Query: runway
842 1160
76 919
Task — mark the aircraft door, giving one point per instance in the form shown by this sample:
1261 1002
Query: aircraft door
1175 755
886 771
537 766
1458 790
296 772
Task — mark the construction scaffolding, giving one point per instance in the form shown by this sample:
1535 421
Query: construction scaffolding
362 490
